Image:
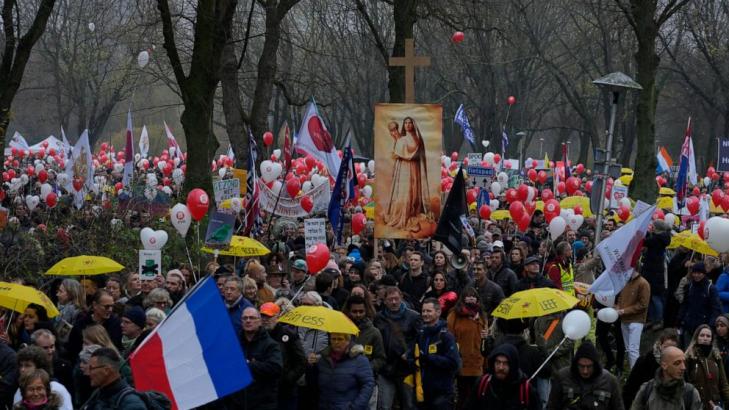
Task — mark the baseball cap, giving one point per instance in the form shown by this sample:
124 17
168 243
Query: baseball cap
300 264
531 259
497 244
270 309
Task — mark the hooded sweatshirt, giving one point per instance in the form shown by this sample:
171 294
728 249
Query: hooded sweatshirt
503 394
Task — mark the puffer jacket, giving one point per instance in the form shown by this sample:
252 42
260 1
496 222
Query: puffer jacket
346 384
570 391
700 305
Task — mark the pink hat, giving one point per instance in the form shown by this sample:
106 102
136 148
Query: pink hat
332 265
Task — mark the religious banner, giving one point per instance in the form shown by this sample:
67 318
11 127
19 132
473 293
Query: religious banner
291 208
722 163
408 141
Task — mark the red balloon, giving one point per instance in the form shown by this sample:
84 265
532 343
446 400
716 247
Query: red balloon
359 220
507 165
701 230
104 146
534 163
11 173
293 186
497 158
572 185
484 212
532 174
580 168
511 195
547 194
51 199
30 170
198 203
530 207
696 191
310 162
542 177
714 177
42 176
317 257
168 169
2 195
588 186
561 187
6 177
659 214
551 208
524 222
78 184
692 204
454 156
268 138
623 213
516 210
523 192
118 186
307 204
471 196
361 180
457 37
511 100
577 209
716 196
725 203
41 152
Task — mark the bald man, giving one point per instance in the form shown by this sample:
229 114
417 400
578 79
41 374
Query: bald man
668 390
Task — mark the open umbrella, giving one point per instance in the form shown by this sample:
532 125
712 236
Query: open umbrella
573 201
84 265
241 246
17 297
534 303
320 318
693 242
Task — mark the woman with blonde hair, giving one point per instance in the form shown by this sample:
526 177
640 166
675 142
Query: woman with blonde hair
97 335
257 272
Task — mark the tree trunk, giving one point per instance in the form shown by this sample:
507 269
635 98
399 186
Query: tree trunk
643 186
404 15
584 147
232 106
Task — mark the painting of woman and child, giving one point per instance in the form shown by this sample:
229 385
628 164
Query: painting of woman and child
408 140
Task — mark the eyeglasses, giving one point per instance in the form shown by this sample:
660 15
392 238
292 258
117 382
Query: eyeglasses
249 318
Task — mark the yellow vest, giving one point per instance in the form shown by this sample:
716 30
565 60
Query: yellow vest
567 276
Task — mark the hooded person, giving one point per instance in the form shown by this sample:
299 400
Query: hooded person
505 386
585 384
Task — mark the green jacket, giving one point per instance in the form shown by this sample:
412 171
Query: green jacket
371 340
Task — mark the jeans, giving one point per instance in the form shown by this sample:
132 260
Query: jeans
631 338
373 399
543 388
655 309
388 389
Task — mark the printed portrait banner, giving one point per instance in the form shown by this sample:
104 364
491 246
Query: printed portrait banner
291 208
616 194
408 146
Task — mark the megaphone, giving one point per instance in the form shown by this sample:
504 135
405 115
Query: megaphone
459 261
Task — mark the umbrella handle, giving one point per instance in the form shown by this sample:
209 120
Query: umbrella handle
548 357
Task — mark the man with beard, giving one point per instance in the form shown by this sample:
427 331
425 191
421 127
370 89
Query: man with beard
175 285
504 387
585 384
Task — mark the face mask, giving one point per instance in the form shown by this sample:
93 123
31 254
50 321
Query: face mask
705 350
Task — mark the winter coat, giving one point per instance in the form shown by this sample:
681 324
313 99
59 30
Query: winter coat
114 396
343 385
549 341
503 394
530 356
634 300
666 395
570 391
294 360
264 358
722 286
490 294
84 320
467 331
643 370
394 341
53 403
438 359
654 260
505 278
700 305
722 344
235 311
538 281
370 339
8 375
708 376
414 287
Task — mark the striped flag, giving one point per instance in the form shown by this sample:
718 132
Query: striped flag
129 152
172 142
664 161
504 142
686 166
252 218
565 153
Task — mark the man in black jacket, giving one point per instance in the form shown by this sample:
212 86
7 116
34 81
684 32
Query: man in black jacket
533 277
502 275
654 268
100 313
294 360
263 355
8 375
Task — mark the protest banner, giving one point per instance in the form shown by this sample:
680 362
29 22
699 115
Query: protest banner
226 189
315 231
150 264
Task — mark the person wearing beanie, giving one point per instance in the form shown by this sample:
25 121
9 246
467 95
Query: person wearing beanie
700 303
585 384
132 324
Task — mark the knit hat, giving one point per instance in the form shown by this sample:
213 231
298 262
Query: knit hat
300 264
270 309
136 315
178 273
723 319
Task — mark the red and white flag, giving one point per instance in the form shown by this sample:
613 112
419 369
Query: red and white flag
314 139
129 152
172 143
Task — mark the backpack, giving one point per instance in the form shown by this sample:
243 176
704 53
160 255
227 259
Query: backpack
688 394
483 385
153 400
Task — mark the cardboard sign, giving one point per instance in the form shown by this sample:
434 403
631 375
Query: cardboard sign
226 189
220 228
150 264
474 158
616 194
315 231
242 176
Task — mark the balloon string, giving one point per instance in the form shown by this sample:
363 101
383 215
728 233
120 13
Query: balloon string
189 259
564 339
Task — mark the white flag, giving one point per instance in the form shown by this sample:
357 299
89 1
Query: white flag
619 253
315 140
143 143
80 164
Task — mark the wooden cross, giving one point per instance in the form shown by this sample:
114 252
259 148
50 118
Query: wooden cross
410 62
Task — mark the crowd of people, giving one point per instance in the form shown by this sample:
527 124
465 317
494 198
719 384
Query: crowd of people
427 337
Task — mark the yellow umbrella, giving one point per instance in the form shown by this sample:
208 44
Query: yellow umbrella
320 318
534 303
241 246
693 242
500 214
84 265
17 297
665 202
666 191
573 201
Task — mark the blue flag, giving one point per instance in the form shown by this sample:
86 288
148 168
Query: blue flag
504 143
462 120
343 191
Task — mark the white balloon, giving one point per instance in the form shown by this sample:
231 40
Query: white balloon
503 179
556 227
576 324
152 239
222 172
605 299
178 176
92 27
276 188
531 194
24 179
371 166
494 204
625 202
716 232
446 161
670 219
277 153
150 192
307 186
39 166
118 167
367 191
32 202
566 213
607 315
176 161
143 59
115 223
137 157
161 165
485 143
489 158
181 218
167 190
496 188
575 221
707 181
45 189
267 171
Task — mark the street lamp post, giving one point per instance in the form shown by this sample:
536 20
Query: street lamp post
614 83
541 147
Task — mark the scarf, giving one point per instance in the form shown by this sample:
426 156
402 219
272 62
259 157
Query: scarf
470 310
30 406
396 316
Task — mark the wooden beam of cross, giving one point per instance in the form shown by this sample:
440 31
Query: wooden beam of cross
410 62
